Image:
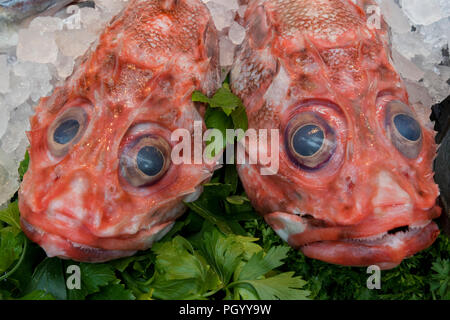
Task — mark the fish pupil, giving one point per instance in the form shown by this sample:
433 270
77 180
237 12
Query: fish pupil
150 160
308 140
66 131
407 127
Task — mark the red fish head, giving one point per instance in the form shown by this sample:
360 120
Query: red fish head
355 181
101 183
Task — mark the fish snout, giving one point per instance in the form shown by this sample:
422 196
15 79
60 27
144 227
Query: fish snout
77 198
389 193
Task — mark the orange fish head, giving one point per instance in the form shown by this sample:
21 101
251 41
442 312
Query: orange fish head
355 180
101 183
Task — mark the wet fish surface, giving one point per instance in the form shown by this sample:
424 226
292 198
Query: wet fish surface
101 184
355 185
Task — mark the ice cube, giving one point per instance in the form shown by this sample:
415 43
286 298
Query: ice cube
111 7
37 47
74 43
64 66
8 36
21 88
422 12
222 16
14 135
9 177
406 67
37 75
91 20
4 74
394 16
46 24
236 33
228 4
227 50
4 118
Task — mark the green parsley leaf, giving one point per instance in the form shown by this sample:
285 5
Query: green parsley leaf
49 277
280 287
261 263
440 283
23 167
180 273
223 253
38 295
93 276
240 120
113 292
10 247
223 99
10 215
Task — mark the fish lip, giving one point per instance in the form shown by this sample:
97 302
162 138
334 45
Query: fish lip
387 252
356 245
65 248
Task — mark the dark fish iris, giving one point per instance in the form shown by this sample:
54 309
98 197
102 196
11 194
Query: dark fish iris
150 161
308 140
66 131
408 127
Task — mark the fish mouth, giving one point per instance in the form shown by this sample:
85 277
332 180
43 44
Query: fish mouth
57 246
386 249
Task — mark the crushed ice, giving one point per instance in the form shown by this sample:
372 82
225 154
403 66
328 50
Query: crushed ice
37 56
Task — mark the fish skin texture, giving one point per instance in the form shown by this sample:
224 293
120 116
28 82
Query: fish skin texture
137 81
321 60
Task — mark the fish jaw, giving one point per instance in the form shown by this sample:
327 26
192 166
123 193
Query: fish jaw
80 202
387 253
350 246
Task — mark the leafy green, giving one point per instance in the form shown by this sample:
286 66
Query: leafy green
10 215
11 239
211 263
93 276
223 99
180 273
38 295
223 253
10 247
23 167
261 263
225 111
49 277
114 292
440 284
280 287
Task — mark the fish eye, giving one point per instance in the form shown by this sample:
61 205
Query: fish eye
145 161
403 129
66 130
308 140
407 126
311 142
150 161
